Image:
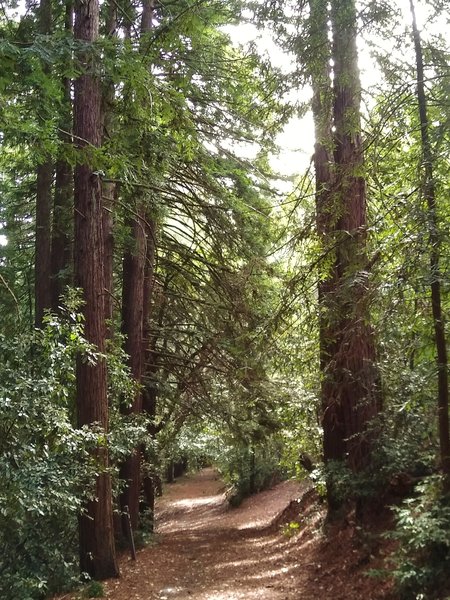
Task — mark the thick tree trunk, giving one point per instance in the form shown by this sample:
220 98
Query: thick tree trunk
322 107
61 261
149 393
133 297
109 188
148 7
353 400
347 354
109 193
352 403
97 551
429 194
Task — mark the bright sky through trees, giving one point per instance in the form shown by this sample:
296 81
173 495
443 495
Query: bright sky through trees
296 141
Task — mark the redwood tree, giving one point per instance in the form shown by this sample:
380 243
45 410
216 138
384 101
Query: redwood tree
354 400
109 190
349 394
132 327
136 296
97 552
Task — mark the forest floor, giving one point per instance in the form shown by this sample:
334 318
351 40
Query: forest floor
271 547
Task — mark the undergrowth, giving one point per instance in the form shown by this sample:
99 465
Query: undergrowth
421 564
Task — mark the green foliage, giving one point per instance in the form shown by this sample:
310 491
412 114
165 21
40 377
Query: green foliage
249 468
94 590
246 466
407 444
421 562
402 446
198 445
300 431
234 326
45 462
290 529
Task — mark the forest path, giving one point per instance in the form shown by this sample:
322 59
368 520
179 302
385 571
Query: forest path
208 551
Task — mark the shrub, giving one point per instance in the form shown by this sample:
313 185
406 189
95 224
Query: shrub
422 560
248 469
47 467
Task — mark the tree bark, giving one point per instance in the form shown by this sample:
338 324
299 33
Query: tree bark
109 188
135 306
347 351
147 16
322 108
353 403
149 392
61 254
132 328
429 194
43 240
97 551
109 193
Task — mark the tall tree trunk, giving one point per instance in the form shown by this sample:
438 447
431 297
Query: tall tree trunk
134 277
61 261
149 393
322 108
353 401
148 7
429 194
43 240
97 551
347 352
132 328
61 246
109 193
43 205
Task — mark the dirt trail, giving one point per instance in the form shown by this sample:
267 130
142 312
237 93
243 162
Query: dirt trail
208 551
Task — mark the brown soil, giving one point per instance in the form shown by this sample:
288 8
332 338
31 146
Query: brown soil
208 551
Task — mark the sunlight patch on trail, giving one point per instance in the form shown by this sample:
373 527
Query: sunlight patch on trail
236 595
193 503
166 593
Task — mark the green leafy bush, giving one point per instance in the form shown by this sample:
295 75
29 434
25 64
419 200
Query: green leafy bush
47 467
401 446
94 590
422 560
248 469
